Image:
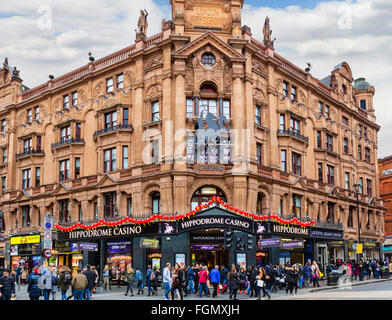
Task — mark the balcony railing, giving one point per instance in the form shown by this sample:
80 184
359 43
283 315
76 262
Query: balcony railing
293 133
67 142
112 129
29 153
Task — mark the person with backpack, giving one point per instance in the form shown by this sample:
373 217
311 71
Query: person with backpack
148 279
45 283
65 280
33 288
55 283
129 277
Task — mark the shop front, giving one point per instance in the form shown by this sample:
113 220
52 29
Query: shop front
371 249
387 248
65 254
25 250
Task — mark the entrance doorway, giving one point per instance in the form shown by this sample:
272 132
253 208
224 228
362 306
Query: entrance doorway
207 247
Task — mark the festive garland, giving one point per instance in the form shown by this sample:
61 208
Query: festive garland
159 217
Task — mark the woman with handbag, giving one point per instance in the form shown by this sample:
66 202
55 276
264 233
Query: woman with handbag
261 284
315 274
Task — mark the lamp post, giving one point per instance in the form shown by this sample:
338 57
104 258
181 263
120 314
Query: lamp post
357 186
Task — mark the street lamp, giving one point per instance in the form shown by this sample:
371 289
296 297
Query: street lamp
357 189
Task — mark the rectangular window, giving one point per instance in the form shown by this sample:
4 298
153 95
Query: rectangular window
110 160
363 104
64 170
74 98
367 155
36 113
63 210
3 125
296 206
129 207
327 111
226 109
29 115
109 85
330 175
285 89
26 179
155 151
320 172
258 115
96 213
125 157
318 139
3 185
26 216
360 130
320 108
120 81
65 102
77 167
293 93
359 153
296 163
208 106
39 143
110 120
78 131
80 212
345 145
37 177
361 185
189 108
365 132
5 156
369 187
295 125
282 122
347 180
125 116
350 222
345 121
109 205
28 145
283 160
155 111
65 134
331 212
280 207
259 153
329 142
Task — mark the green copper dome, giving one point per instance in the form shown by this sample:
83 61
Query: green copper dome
361 84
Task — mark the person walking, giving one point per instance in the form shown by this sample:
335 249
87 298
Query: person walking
55 283
129 278
196 271
33 288
242 276
148 280
7 286
167 280
235 284
79 283
96 282
90 275
46 280
289 279
65 280
315 274
154 281
261 284
203 277
252 281
177 281
307 273
106 278
191 280
215 280
224 278
139 281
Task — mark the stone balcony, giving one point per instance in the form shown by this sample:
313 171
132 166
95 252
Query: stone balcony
29 153
67 142
294 134
119 127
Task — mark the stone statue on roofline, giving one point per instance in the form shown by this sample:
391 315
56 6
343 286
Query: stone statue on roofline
267 32
142 24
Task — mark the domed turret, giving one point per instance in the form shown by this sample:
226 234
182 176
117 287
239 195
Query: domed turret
361 84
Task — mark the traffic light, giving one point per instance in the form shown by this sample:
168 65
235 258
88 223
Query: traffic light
240 245
250 242
228 239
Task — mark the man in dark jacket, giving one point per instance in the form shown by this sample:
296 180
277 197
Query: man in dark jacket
7 286
33 288
196 277
252 278
91 279
65 280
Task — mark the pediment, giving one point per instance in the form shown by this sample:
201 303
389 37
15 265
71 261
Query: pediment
300 183
23 195
334 192
106 180
61 188
208 39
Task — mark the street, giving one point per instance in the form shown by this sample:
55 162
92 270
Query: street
381 290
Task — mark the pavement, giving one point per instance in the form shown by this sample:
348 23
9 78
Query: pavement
367 289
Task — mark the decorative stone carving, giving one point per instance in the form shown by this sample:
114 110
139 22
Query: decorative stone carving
154 91
130 78
142 23
82 96
98 88
258 95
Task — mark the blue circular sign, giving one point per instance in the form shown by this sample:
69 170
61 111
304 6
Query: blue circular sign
48 225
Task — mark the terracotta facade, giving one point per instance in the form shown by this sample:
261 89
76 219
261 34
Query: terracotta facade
155 79
385 172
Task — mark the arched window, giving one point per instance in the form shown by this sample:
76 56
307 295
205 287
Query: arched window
259 203
203 195
156 202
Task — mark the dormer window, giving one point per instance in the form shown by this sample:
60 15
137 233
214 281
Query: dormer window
363 104
208 60
344 89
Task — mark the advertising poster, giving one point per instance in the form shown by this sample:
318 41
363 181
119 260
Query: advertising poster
156 262
180 259
241 260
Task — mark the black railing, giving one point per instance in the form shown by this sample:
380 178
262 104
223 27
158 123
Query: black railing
294 133
29 153
66 142
112 128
